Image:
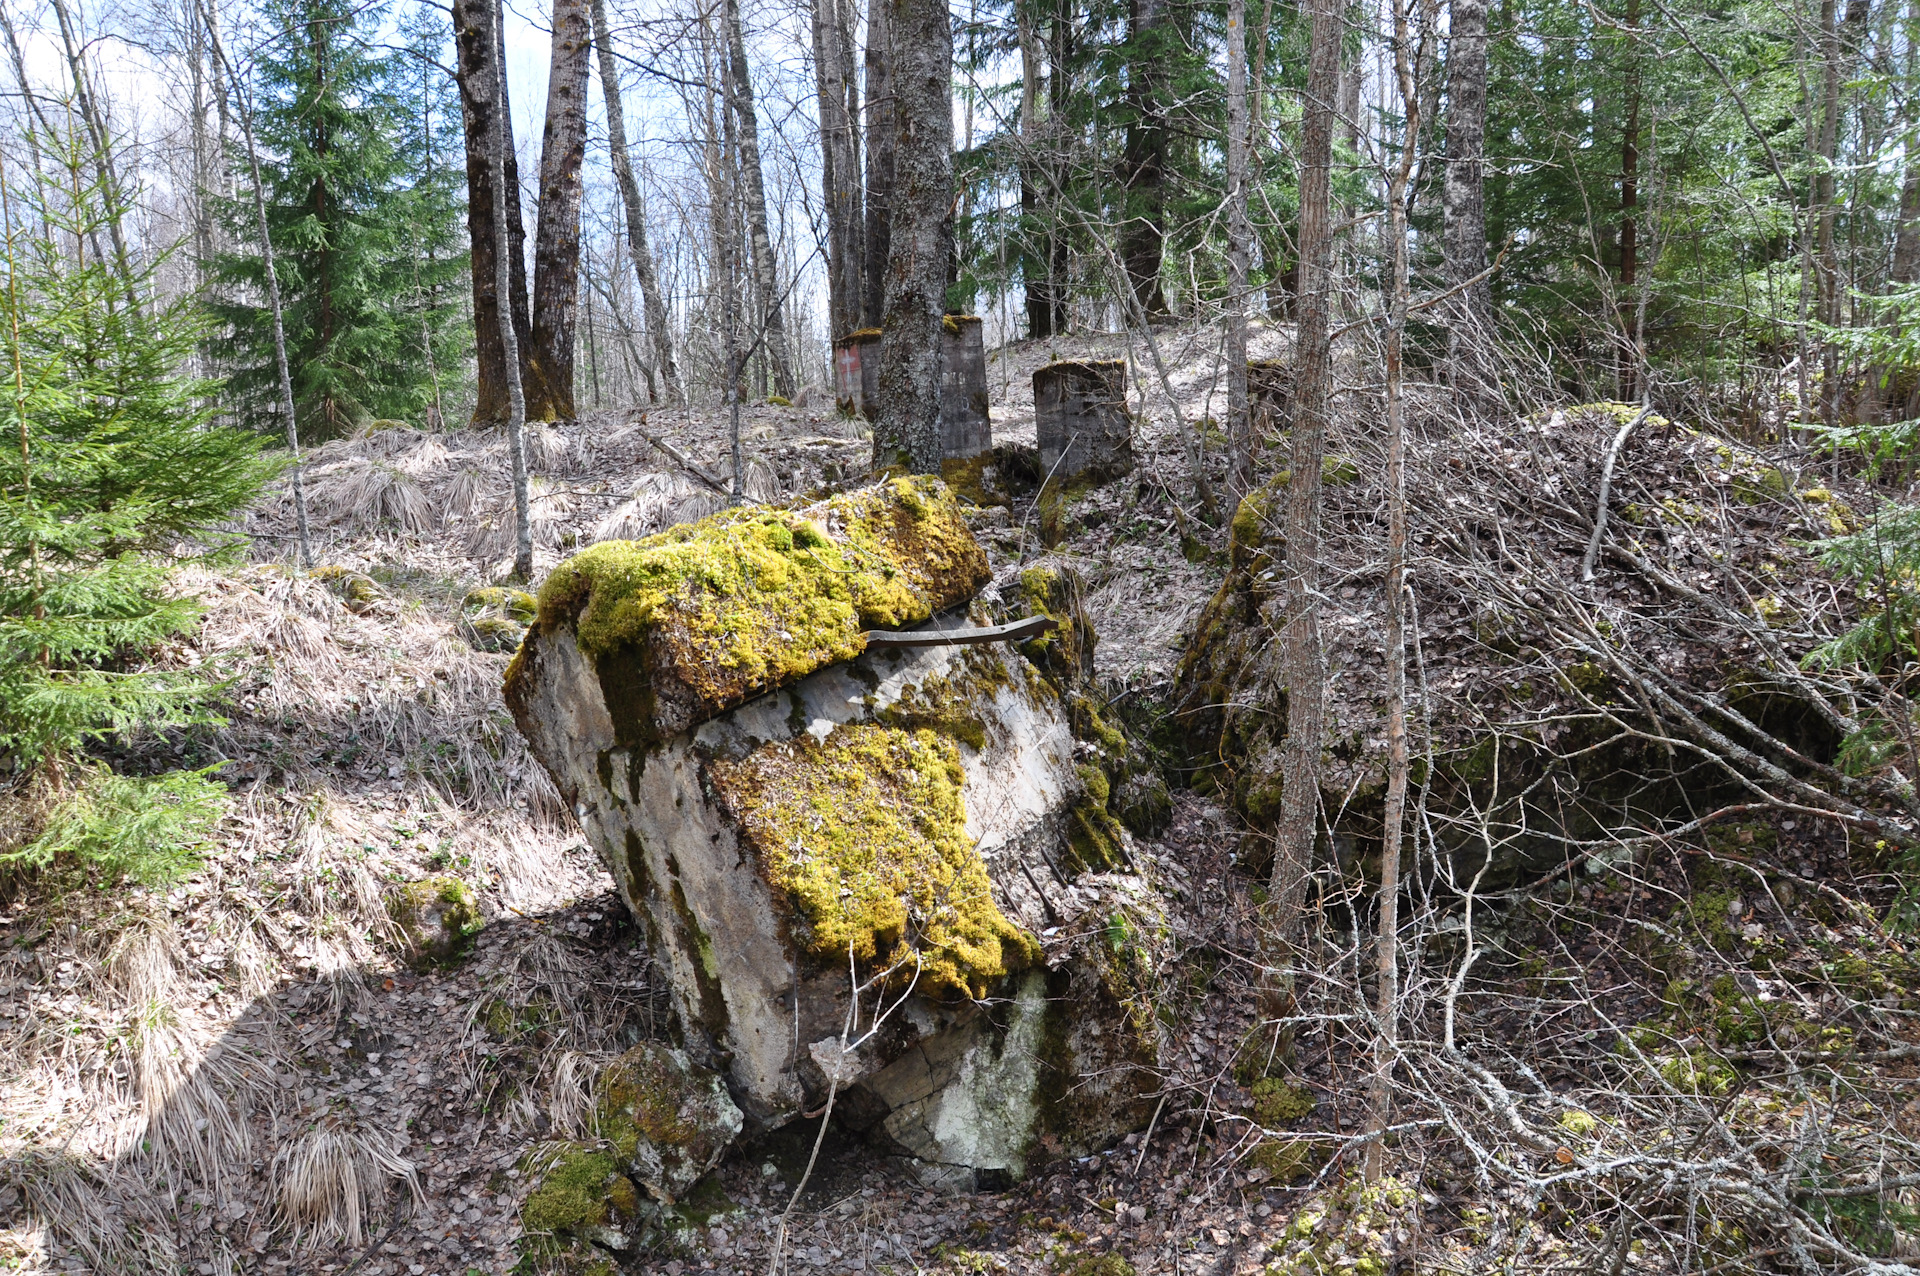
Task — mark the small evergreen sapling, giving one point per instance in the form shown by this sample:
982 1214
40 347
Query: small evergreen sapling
110 471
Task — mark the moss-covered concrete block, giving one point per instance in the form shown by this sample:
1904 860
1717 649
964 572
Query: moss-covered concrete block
890 827
437 918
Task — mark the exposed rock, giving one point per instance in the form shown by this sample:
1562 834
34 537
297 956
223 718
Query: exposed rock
870 882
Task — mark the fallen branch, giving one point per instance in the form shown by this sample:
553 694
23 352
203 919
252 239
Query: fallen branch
1013 631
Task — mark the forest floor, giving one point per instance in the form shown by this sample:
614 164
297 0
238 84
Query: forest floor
244 1074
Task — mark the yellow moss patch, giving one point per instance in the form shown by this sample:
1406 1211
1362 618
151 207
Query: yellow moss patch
749 599
866 835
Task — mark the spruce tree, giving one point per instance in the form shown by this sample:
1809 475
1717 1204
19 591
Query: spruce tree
364 215
110 471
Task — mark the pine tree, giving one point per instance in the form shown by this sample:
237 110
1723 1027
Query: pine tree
364 213
110 470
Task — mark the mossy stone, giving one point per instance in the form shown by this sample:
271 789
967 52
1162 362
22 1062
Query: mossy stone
494 633
438 918
582 1195
514 604
865 835
666 1119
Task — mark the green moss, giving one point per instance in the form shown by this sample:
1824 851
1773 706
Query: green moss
514 604
779 401
1276 1102
1352 1233
438 917
752 598
951 705
358 590
967 476
1587 677
576 1193
1097 1265
866 835
1093 839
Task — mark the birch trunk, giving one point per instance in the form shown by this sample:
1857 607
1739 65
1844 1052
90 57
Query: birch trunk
556 242
650 298
273 301
768 325
509 339
839 91
102 143
482 112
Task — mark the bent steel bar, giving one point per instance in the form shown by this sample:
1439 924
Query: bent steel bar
1031 627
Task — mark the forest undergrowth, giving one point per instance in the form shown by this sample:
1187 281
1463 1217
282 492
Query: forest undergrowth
1658 1002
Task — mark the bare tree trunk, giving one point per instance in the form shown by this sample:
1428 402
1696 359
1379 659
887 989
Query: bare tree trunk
1628 379
556 242
102 143
1387 932
1036 265
483 111
503 260
839 91
880 152
907 431
767 321
650 299
1301 659
1836 49
1239 250
273 299
1144 161
1059 91
1470 311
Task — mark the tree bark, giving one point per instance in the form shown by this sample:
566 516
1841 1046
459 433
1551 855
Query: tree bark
482 103
1059 92
907 431
503 260
881 114
1628 380
556 243
1838 40
1239 250
1035 256
839 90
1144 161
1470 311
1301 658
767 322
650 300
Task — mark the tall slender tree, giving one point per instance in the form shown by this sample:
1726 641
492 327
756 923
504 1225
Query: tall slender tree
839 91
1302 660
651 301
556 242
1464 209
769 328
1239 253
483 109
1143 233
907 431
882 114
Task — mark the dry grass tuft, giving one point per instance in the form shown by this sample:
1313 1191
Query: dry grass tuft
102 1214
332 1180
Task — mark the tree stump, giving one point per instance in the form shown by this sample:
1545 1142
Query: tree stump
856 373
1270 397
1080 418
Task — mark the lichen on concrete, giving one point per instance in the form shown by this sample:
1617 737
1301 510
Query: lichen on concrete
747 600
865 834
